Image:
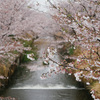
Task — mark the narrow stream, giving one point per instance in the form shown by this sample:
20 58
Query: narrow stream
27 84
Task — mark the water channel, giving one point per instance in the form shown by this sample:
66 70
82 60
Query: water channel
27 85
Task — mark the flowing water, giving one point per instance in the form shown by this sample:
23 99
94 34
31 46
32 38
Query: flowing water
27 83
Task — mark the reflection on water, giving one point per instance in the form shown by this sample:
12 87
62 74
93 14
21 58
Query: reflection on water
49 94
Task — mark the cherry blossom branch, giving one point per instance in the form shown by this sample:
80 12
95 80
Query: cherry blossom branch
75 57
67 65
86 10
52 4
54 61
69 15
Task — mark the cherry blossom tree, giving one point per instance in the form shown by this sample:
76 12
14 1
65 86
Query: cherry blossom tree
82 17
15 23
16 35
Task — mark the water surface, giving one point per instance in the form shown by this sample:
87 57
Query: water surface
27 85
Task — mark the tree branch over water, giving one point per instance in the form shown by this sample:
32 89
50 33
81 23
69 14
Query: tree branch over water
52 4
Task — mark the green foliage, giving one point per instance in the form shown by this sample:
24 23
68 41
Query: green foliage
69 15
71 50
65 30
29 7
24 57
26 43
45 63
14 38
34 52
14 52
98 3
11 35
